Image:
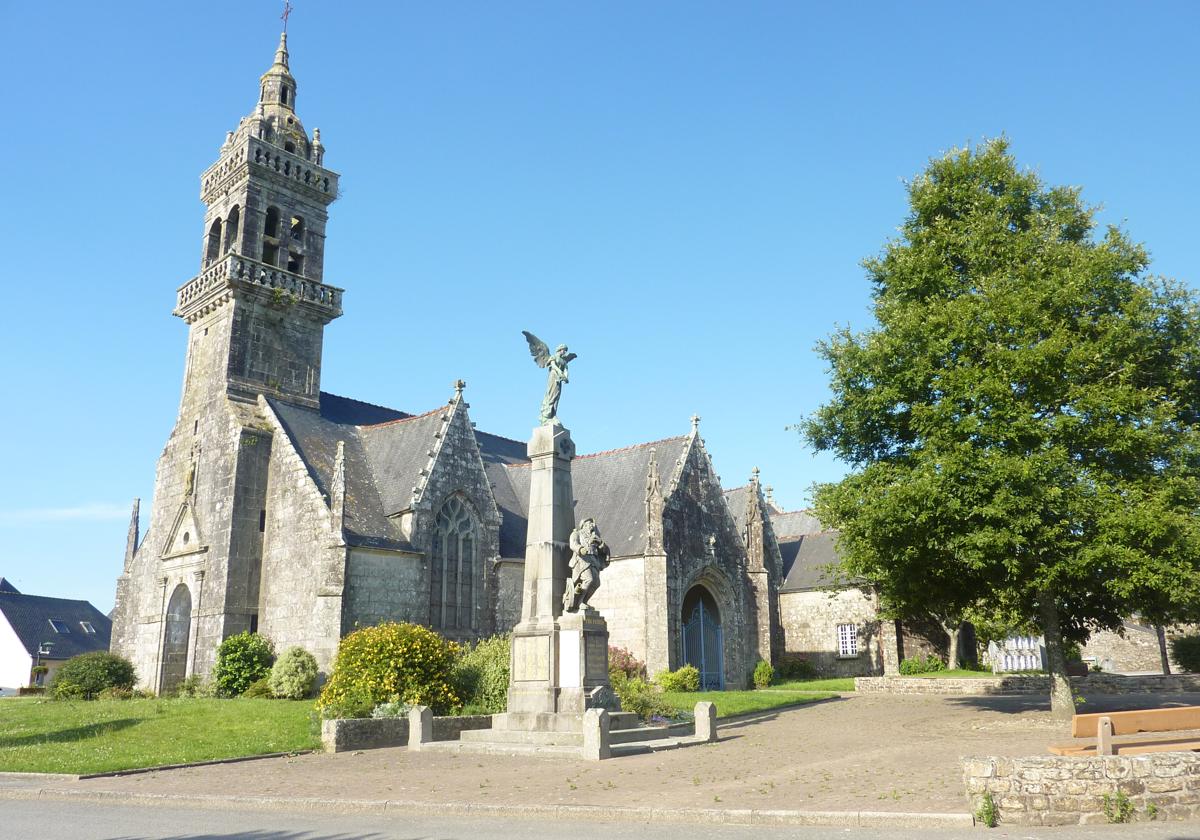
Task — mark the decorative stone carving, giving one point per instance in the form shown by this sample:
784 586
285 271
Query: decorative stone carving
557 363
589 556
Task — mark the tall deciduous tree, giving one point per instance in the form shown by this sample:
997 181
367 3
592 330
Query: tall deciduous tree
1022 423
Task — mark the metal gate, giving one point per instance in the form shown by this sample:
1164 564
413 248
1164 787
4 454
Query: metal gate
702 647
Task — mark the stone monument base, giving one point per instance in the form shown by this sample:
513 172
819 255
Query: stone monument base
559 670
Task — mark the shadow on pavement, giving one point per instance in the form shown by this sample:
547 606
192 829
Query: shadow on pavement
737 721
266 834
1018 704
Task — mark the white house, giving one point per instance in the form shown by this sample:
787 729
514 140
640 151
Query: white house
46 631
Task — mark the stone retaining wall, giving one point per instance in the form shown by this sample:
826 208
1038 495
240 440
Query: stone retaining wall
1030 684
1060 790
373 733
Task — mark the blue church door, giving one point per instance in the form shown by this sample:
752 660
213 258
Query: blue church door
703 645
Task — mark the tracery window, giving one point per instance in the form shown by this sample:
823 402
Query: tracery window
452 568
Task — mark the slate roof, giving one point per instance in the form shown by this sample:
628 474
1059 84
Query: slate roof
315 436
804 561
386 449
794 523
29 616
736 499
610 487
5 586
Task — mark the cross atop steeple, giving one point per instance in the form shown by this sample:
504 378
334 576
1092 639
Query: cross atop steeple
695 424
287 12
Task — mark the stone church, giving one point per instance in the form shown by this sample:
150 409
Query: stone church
286 510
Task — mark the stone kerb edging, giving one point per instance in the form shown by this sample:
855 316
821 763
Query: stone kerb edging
373 733
1029 684
1070 790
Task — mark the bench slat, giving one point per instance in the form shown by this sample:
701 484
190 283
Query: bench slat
1142 720
1130 747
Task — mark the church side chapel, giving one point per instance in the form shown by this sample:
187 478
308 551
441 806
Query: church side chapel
286 510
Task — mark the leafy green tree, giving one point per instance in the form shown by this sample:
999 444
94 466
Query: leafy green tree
1022 422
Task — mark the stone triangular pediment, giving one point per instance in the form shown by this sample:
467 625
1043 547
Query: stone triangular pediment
185 535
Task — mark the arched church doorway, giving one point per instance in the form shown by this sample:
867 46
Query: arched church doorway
175 639
703 642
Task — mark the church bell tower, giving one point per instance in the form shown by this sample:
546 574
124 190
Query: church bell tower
256 315
258 308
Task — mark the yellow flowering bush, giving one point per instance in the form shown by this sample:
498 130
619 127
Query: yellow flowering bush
390 662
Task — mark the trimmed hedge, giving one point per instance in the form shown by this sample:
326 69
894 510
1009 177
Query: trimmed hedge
481 676
293 674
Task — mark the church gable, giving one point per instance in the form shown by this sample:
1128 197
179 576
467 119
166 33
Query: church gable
184 537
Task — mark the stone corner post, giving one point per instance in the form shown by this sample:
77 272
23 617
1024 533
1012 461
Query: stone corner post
420 726
706 721
596 746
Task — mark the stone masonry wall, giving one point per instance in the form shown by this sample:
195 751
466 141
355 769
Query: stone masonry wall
810 621
303 566
1030 684
384 586
620 599
374 733
1062 790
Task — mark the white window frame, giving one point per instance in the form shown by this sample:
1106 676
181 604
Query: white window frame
847 641
88 627
64 630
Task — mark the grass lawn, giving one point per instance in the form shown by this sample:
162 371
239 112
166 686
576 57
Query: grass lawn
817 684
47 736
731 703
957 674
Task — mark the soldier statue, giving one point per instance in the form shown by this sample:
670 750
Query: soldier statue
589 555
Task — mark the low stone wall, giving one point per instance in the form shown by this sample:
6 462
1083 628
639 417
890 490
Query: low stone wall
1030 684
373 733
1060 790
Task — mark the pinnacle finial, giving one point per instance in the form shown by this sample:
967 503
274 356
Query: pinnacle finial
754 476
459 385
695 424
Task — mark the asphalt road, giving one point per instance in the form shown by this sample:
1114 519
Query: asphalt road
25 819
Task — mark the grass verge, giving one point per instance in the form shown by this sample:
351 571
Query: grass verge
730 703
819 684
958 674
47 736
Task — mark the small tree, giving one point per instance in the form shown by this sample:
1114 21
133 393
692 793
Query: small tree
1022 424
241 660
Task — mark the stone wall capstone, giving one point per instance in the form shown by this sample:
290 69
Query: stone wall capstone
374 733
1030 684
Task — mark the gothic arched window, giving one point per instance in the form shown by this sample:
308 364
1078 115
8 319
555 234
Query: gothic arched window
453 566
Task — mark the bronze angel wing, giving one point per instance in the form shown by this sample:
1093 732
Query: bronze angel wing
537 349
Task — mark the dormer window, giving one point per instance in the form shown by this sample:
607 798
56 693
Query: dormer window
88 627
60 626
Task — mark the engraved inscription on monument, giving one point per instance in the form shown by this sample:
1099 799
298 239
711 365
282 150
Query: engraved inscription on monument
596 655
531 658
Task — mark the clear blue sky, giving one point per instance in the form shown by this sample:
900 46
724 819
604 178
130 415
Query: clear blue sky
682 191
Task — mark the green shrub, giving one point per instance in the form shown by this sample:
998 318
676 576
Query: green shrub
1118 808
293 674
686 678
259 689
83 677
763 674
619 659
481 675
195 686
241 660
404 662
922 664
641 698
1185 650
795 669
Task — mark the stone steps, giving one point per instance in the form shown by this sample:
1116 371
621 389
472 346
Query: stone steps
520 736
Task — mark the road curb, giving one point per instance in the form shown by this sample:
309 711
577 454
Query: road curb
588 813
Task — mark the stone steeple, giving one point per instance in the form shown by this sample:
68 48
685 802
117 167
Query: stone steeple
260 286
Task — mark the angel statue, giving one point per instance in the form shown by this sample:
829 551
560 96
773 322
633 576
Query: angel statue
557 363
589 556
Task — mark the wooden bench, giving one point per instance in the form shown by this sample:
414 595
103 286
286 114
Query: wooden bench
1105 725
